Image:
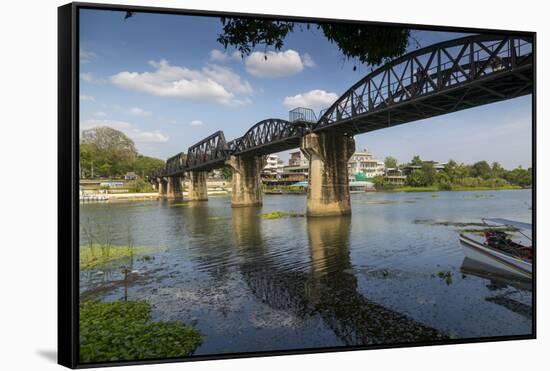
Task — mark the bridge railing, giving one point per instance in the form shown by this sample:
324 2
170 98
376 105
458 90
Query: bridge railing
302 114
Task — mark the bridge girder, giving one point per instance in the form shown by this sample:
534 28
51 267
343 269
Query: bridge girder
269 136
441 78
208 154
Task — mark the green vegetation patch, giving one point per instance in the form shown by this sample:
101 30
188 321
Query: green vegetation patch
281 214
122 330
446 276
95 255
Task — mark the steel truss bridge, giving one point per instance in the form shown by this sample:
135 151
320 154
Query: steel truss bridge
442 78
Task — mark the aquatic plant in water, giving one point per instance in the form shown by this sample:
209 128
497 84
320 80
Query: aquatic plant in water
115 331
95 255
281 214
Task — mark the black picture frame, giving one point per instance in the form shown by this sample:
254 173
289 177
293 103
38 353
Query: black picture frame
68 201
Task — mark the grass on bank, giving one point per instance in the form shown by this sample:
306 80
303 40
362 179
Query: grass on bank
123 331
435 188
94 255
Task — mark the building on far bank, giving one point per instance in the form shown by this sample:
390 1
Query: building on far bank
130 176
437 166
365 162
395 176
297 169
297 158
274 165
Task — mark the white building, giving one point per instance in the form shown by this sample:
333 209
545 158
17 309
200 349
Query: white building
365 162
274 165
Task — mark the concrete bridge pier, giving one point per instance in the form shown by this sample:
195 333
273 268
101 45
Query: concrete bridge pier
328 190
162 187
198 190
173 187
246 180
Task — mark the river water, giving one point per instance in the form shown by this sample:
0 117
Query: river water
391 273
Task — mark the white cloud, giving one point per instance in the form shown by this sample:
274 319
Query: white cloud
212 83
86 56
277 64
196 123
137 135
307 60
217 55
86 76
314 99
87 98
136 111
100 114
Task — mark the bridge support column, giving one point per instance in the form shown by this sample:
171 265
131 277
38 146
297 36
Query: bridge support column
246 180
162 187
328 190
173 187
198 190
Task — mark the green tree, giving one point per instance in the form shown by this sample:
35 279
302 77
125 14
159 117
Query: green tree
443 181
451 170
379 182
520 176
497 171
416 161
416 178
110 151
371 45
226 173
390 162
429 172
481 169
144 165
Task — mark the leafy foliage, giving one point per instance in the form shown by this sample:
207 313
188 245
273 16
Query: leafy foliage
106 152
144 165
140 186
371 45
116 331
390 162
478 175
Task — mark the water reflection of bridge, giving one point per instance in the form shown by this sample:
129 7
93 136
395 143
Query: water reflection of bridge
442 78
327 288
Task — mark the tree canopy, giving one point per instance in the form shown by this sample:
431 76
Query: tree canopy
107 152
390 162
370 45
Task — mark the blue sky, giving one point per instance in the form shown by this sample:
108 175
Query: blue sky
167 83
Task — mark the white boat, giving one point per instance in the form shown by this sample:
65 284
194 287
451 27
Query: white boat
504 254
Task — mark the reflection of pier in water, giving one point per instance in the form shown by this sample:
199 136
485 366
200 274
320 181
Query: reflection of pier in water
327 289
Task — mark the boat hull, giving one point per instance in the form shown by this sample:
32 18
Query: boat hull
477 250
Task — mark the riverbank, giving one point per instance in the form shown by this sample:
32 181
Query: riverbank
154 196
457 188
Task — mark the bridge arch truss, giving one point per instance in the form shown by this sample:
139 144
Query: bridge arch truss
269 136
438 79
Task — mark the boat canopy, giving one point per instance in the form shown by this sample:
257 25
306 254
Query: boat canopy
512 223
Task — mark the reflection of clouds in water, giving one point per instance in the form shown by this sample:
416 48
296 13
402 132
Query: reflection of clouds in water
173 302
273 319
